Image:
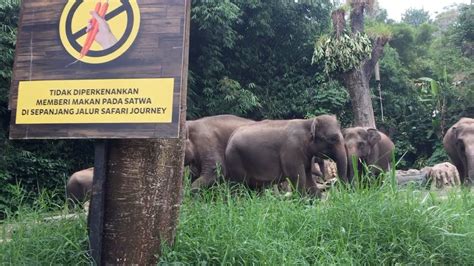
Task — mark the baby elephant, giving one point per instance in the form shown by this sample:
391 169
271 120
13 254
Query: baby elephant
459 145
268 152
369 146
79 185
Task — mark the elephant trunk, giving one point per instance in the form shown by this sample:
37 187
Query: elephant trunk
470 168
350 165
340 156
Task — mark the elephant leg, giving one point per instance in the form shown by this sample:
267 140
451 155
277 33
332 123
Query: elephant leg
234 167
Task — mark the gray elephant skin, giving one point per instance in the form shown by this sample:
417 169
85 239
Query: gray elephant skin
206 141
369 146
79 185
459 145
269 151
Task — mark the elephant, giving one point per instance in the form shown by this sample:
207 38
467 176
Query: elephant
459 145
79 185
369 146
206 140
269 151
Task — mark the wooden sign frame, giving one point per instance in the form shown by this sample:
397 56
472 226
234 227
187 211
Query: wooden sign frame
52 97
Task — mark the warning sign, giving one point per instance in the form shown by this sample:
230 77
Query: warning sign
95 101
99 69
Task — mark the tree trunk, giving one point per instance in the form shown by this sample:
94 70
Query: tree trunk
358 86
357 16
357 80
339 21
143 196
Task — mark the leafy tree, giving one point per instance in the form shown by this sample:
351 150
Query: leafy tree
416 17
403 40
463 32
376 13
354 56
447 18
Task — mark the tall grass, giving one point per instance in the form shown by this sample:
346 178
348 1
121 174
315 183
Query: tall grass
27 238
226 225
369 226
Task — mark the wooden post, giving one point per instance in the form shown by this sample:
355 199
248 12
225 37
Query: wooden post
96 210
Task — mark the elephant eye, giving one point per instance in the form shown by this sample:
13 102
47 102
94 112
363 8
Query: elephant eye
360 145
334 139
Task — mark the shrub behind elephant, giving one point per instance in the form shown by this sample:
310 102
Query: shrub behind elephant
269 151
369 146
459 145
206 141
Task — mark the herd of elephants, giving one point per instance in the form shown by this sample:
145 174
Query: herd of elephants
262 153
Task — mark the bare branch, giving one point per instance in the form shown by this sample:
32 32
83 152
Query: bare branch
377 52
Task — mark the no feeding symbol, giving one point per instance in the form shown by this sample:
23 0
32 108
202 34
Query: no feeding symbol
97 32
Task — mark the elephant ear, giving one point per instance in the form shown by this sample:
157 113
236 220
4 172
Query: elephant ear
373 136
455 132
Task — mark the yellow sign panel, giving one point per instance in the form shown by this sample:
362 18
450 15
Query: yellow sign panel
95 101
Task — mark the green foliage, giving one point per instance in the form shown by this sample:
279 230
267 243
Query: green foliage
343 53
331 98
463 32
231 96
416 17
439 155
9 10
377 29
253 57
403 40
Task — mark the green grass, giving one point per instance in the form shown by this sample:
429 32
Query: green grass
26 238
368 227
235 226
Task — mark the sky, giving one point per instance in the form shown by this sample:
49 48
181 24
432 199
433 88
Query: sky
396 8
